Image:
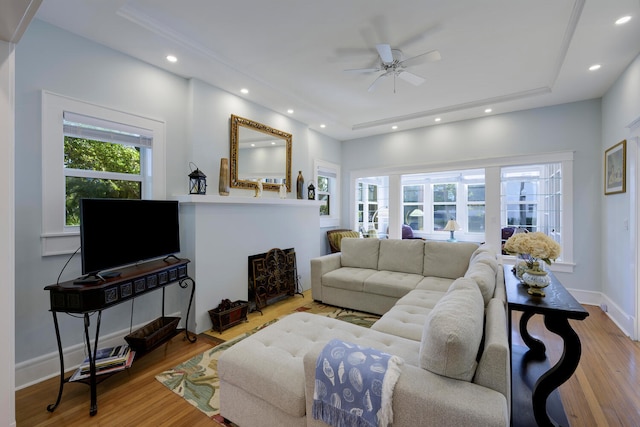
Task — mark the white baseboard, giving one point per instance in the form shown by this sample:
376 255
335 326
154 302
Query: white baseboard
47 366
621 319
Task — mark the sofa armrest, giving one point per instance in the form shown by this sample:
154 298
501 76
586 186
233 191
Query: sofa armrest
424 398
319 267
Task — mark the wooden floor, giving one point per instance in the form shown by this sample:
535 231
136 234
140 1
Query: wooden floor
604 391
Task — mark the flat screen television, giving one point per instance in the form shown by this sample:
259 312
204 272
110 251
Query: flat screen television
119 232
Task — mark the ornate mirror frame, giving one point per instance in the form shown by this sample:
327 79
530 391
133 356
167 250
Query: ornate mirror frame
236 123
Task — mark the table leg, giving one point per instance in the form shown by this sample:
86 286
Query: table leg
52 407
536 346
561 371
92 361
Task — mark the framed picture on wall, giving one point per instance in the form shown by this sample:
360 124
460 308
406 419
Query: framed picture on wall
615 168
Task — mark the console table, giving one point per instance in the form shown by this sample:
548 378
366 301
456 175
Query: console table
87 299
557 307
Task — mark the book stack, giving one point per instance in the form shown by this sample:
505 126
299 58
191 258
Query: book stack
108 360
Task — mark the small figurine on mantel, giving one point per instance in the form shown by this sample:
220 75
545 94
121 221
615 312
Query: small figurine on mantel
283 191
258 188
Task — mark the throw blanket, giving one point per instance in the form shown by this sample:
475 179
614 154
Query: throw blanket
354 385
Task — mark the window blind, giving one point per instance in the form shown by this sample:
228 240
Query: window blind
81 126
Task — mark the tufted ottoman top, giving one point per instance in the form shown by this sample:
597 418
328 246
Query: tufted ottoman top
269 363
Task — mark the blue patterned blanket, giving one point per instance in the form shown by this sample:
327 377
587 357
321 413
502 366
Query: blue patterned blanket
354 385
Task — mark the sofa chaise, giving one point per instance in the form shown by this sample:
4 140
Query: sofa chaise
443 312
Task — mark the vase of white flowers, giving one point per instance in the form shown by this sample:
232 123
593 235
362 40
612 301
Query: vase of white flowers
533 248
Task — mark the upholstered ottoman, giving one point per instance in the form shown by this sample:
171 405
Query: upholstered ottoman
262 379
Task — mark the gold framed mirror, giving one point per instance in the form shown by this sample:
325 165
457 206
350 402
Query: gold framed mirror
259 152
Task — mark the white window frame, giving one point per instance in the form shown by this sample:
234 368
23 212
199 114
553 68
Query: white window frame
58 239
492 194
332 170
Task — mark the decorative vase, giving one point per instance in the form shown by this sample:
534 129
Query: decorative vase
223 183
537 279
299 186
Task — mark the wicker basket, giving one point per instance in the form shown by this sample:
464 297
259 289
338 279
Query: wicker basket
152 334
224 319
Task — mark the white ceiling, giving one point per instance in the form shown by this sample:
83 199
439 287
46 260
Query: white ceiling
504 54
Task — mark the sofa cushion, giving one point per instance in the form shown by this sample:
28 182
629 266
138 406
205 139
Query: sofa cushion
360 253
485 278
439 284
348 278
406 321
447 259
453 331
391 283
405 256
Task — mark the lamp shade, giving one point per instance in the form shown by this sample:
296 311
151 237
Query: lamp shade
452 225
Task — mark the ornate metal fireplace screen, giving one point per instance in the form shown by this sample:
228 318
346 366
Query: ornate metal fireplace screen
272 276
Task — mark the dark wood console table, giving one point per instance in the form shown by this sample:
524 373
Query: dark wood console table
557 307
87 299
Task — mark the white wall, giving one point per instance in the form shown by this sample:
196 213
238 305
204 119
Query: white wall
620 107
569 127
7 266
197 129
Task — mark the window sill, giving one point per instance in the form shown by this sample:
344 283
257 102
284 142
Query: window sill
60 243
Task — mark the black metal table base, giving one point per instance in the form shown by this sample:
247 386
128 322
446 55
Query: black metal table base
91 352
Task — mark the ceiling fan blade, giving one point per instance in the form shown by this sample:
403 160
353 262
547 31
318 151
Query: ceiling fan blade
384 50
362 70
375 83
430 56
411 78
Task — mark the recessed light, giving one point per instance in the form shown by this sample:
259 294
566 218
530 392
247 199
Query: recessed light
273 143
323 126
253 145
595 67
290 111
488 110
437 119
623 20
172 58
394 127
244 90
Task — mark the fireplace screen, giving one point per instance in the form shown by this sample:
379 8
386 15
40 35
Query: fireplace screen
272 277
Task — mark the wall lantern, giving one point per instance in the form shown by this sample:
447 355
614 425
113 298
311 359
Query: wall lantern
311 192
197 181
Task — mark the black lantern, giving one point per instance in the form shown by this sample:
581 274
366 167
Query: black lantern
197 182
311 192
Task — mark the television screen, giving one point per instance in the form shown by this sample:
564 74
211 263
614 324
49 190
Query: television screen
119 232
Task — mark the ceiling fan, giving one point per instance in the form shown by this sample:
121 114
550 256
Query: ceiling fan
393 64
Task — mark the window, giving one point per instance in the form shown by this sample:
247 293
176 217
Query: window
372 206
531 198
327 182
102 160
80 133
458 195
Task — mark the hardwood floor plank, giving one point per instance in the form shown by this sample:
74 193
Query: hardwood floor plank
604 390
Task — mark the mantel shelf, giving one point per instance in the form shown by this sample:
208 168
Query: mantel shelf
235 200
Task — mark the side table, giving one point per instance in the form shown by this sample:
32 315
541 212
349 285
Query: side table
557 307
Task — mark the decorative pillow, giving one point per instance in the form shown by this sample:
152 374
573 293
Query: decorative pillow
336 238
485 278
453 332
360 253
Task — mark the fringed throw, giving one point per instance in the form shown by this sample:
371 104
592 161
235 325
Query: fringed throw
354 385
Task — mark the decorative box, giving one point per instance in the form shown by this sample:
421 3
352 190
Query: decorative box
222 319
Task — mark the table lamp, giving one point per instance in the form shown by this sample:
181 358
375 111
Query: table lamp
451 226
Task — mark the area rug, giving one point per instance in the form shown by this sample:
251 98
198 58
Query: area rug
196 380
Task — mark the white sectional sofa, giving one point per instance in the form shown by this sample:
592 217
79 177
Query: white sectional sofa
443 307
